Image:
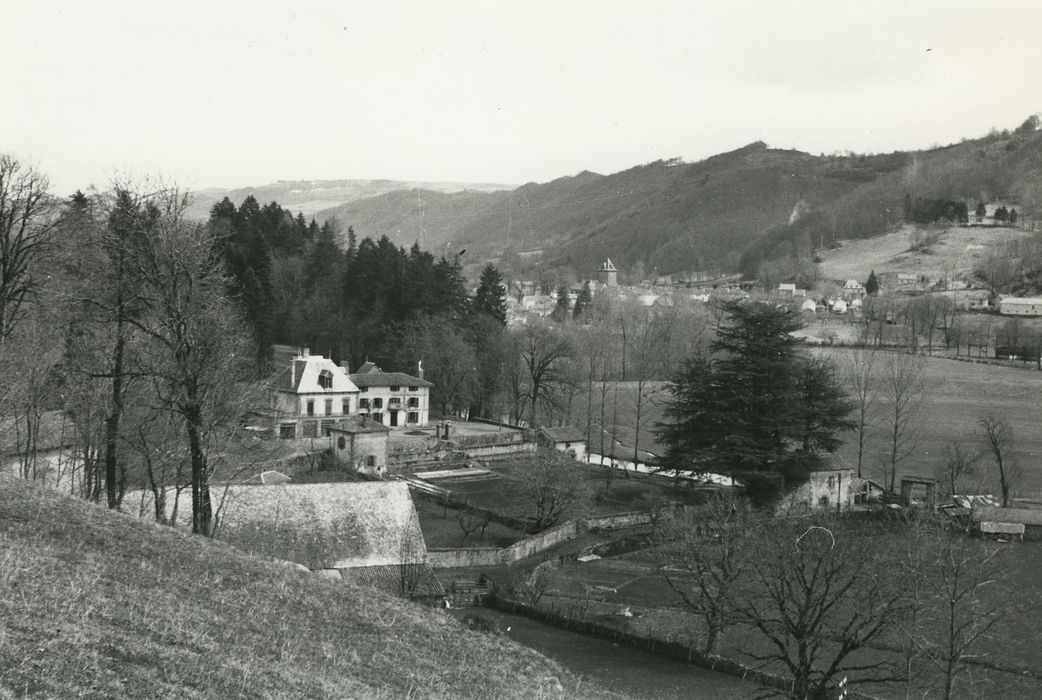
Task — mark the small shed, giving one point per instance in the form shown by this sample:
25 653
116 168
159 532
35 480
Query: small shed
361 442
565 439
1025 522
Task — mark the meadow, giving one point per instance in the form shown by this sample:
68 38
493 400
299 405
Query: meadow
955 394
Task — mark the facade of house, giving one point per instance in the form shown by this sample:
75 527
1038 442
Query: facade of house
1020 306
827 483
394 399
311 396
362 443
564 439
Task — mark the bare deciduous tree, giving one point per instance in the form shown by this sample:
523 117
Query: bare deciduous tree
998 440
862 375
902 395
27 218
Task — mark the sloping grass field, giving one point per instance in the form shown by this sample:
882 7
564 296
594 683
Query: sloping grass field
98 604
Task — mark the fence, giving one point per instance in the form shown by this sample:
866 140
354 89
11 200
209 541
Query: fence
530 546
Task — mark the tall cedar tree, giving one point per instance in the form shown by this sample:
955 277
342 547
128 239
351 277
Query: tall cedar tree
490 297
583 304
757 405
872 285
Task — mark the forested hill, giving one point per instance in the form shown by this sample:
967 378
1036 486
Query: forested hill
672 216
310 196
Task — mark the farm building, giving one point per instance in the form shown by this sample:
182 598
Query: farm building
829 483
564 439
1017 522
1020 306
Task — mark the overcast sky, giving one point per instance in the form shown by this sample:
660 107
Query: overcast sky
231 94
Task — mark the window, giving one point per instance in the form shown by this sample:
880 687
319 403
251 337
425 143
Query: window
378 403
329 407
287 431
311 407
341 442
414 403
413 388
310 429
378 417
412 417
396 388
823 501
326 426
363 403
832 481
370 461
325 379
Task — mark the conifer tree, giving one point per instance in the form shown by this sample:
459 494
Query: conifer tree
490 297
872 285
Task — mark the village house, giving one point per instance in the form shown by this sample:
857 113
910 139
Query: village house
853 289
395 399
310 396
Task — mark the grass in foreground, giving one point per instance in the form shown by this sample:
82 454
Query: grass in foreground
97 604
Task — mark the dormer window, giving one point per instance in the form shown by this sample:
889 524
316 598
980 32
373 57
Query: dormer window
396 388
325 379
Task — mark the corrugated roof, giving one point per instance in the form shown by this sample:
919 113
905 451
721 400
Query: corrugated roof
1026 516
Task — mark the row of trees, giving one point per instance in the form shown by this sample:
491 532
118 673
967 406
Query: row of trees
821 596
116 315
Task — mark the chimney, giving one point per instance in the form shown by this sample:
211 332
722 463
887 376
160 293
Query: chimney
346 365
419 369
306 352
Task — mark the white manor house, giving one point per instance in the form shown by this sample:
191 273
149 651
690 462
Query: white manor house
314 394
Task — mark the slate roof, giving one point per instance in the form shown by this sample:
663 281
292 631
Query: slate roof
990 514
565 433
307 374
377 377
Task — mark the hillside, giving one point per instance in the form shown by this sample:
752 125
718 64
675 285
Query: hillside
94 603
727 211
310 196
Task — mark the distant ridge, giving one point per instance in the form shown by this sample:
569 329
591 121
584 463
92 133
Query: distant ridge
311 196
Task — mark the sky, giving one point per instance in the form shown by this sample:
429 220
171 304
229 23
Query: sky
233 94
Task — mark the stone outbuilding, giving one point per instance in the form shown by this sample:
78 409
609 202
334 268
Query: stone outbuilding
361 443
564 439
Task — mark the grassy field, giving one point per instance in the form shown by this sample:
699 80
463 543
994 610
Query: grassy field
956 393
954 252
98 604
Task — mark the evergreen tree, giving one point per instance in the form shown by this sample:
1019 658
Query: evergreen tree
980 212
1001 214
1012 216
490 297
583 303
872 285
757 406
563 307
